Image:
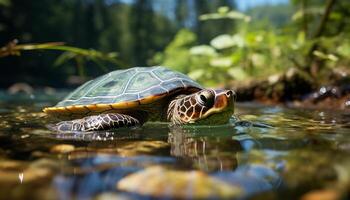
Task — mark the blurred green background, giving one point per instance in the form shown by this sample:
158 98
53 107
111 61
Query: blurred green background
215 42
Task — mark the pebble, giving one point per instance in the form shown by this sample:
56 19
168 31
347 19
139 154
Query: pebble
141 147
347 103
12 165
62 148
326 194
344 146
14 172
160 182
111 195
25 136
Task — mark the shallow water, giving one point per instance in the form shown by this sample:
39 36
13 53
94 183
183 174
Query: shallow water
273 153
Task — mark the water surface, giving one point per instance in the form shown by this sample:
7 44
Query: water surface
276 153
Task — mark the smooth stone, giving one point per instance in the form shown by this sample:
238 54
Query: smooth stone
160 182
45 163
112 196
14 172
141 148
326 194
62 148
12 165
39 174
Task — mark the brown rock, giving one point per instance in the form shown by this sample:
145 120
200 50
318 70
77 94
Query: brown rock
62 148
158 182
327 194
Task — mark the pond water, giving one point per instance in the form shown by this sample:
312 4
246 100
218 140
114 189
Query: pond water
274 153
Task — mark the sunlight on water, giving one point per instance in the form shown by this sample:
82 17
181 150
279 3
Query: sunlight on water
273 152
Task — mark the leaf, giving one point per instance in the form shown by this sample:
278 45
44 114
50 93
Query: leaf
226 41
309 11
222 42
324 56
238 40
344 49
196 74
258 59
221 62
226 15
223 9
64 57
183 38
237 73
203 50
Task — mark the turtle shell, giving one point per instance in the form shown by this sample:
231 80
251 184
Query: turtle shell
124 89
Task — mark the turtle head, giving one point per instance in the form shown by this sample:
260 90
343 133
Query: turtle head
207 106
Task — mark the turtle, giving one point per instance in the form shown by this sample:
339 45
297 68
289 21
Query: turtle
131 97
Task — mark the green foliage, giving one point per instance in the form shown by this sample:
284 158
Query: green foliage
137 30
176 54
225 13
214 43
270 17
132 29
255 50
5 2
227 56
82 56
79 55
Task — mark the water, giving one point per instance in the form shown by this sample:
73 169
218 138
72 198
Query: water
273 153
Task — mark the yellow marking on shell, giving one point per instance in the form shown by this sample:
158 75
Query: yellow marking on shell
56 111
98 107
51 110
83 109
47 110
125 105
79 109
150 99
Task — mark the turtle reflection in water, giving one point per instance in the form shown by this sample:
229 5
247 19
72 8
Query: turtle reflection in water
206 151
126 98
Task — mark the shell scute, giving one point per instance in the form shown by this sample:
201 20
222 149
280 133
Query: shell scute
142 81
123 89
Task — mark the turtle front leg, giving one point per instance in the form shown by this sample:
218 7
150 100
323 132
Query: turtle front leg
98 122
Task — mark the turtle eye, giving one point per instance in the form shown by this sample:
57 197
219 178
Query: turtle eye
203 98
206 98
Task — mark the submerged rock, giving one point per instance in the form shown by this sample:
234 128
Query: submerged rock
110 196
141 148
62 148
13 172
160 182
326 194
20 87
